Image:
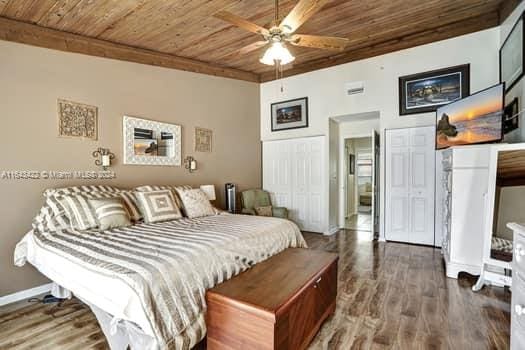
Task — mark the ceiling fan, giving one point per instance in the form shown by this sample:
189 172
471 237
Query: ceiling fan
281 33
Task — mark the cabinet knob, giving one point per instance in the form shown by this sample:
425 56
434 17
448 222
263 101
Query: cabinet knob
520 310
317 282
519 252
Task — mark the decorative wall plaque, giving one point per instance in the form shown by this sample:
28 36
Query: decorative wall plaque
77 120
203 139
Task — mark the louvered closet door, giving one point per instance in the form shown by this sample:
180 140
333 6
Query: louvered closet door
409 205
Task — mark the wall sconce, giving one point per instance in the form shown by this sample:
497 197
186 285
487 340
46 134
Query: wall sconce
190 163
104 157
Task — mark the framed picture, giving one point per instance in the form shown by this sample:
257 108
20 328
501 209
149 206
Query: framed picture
511 117
292 114
425 92
512 56
351 164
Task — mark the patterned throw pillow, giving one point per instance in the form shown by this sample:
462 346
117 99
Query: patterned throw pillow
157 206
264 211
195 202
110 212
73 190
131 205
54 216
149 188
79 212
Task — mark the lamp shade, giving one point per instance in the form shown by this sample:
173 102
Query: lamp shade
277 52
210 191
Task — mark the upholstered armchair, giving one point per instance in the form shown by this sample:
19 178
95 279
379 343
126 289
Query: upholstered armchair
253 200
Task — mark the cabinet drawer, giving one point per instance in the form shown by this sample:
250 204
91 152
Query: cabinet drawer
517 339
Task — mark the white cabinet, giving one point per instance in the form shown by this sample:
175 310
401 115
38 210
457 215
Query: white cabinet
409 175
293 174
464 183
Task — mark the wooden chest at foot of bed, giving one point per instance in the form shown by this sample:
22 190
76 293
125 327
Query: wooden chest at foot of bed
278 304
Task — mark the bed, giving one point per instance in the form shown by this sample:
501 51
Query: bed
146 283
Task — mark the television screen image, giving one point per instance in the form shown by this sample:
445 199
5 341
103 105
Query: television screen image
474 119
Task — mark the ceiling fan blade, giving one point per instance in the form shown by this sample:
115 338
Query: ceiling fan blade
301 13
319 42
241 22
252 47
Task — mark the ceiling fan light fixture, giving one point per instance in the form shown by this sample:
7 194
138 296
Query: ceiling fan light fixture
277 52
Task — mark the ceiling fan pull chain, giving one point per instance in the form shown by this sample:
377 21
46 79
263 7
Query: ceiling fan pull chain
276 12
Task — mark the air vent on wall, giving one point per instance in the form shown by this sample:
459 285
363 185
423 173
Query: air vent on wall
355 87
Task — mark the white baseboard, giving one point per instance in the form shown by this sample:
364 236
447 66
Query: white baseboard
331 231
25 294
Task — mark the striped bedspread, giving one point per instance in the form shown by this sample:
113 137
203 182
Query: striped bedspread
170 265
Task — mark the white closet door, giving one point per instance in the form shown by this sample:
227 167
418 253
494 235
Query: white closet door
409 207
397 188
316 209
293 174
421 184
277 172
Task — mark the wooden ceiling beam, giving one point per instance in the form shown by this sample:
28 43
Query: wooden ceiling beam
404 42
11 30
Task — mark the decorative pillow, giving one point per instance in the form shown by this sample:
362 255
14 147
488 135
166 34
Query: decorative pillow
131 205
110 212
157 206
264 211
64 191
195 202
51 217
149 188
78 212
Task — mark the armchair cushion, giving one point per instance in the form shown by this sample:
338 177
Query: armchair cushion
280 212
252 199
264 211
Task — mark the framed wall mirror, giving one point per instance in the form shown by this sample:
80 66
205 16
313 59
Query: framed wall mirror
148 142
505 203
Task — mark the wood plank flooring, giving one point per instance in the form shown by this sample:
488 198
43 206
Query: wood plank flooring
390 296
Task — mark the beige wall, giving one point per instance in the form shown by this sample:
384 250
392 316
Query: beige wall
511 209
31 80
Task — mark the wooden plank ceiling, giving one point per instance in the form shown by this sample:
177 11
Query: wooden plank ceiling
511 168
184 34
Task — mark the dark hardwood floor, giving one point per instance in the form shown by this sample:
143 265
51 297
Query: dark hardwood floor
390 296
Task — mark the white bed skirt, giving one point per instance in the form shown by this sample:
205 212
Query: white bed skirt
119 333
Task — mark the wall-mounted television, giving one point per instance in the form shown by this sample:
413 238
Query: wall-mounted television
477 118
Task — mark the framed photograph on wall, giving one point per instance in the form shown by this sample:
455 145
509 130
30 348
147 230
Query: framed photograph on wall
512 56
291 114
425 92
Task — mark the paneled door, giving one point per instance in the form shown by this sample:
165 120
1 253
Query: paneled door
409 198
293 174
375 183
